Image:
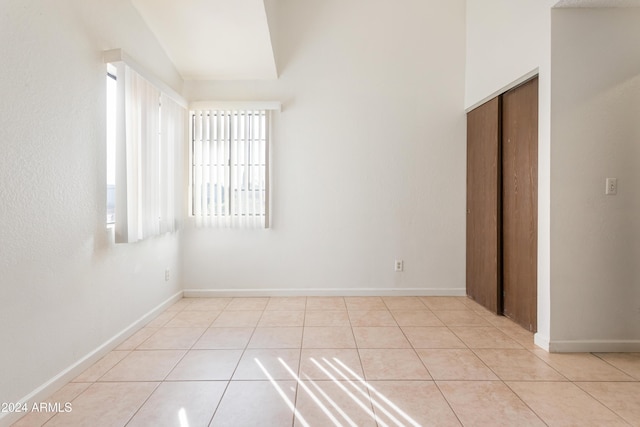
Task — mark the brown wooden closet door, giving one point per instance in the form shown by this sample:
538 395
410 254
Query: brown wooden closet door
483 214
520 203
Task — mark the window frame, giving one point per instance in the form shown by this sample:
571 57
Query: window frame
111 141
228 216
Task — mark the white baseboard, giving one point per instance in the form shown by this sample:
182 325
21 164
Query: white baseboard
338 292
55 383
541 341
593 346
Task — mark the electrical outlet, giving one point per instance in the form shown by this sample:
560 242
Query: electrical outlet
399 265
167 274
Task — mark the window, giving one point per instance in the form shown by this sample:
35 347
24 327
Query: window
229 179
111 145
145 129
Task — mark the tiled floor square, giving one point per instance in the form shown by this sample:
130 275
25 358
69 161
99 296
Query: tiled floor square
102 366
582 366
63 396
224 338
207 304
237 319
520 335
329 403
416 318
138 338
392 364
325 303
411 403
628 363
287 303
445 303
371 318
432 337
621 397
172 338
518 365
326 318
179 305
328 363
328 337
564 403
404 303
144 365
247 303
461 318
162 319
484 337
365 303
455 364
102 404
206 365
193 319
282 318
487 403
262 364
256 403
280 337
380 337
190 403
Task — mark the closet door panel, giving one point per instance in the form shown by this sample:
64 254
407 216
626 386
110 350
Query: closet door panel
483 205
520 203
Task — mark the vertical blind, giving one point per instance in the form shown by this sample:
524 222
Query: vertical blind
229 177
149 129
173 119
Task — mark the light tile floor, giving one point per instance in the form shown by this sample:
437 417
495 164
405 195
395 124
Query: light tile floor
352 361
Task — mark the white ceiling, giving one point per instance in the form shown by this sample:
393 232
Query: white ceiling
230 40
213 39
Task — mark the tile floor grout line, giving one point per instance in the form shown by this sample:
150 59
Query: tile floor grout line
600 401
224 392
525 403
143 403
357 349
474 351
168 373
532 380
615 367
448 403
295 400
550 366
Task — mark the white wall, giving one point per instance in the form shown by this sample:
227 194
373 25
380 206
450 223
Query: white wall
368 156
507 40
64 289
595 239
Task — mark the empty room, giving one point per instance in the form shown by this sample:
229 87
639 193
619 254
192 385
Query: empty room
319 212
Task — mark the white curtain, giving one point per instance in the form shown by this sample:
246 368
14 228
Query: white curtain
145 158
229 176
173 120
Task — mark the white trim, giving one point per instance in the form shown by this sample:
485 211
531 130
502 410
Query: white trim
340 292
510 86
541 341
119 55
236 105
48 388
594 346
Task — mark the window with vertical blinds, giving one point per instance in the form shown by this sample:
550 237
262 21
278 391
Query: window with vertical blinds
229 179
146 129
